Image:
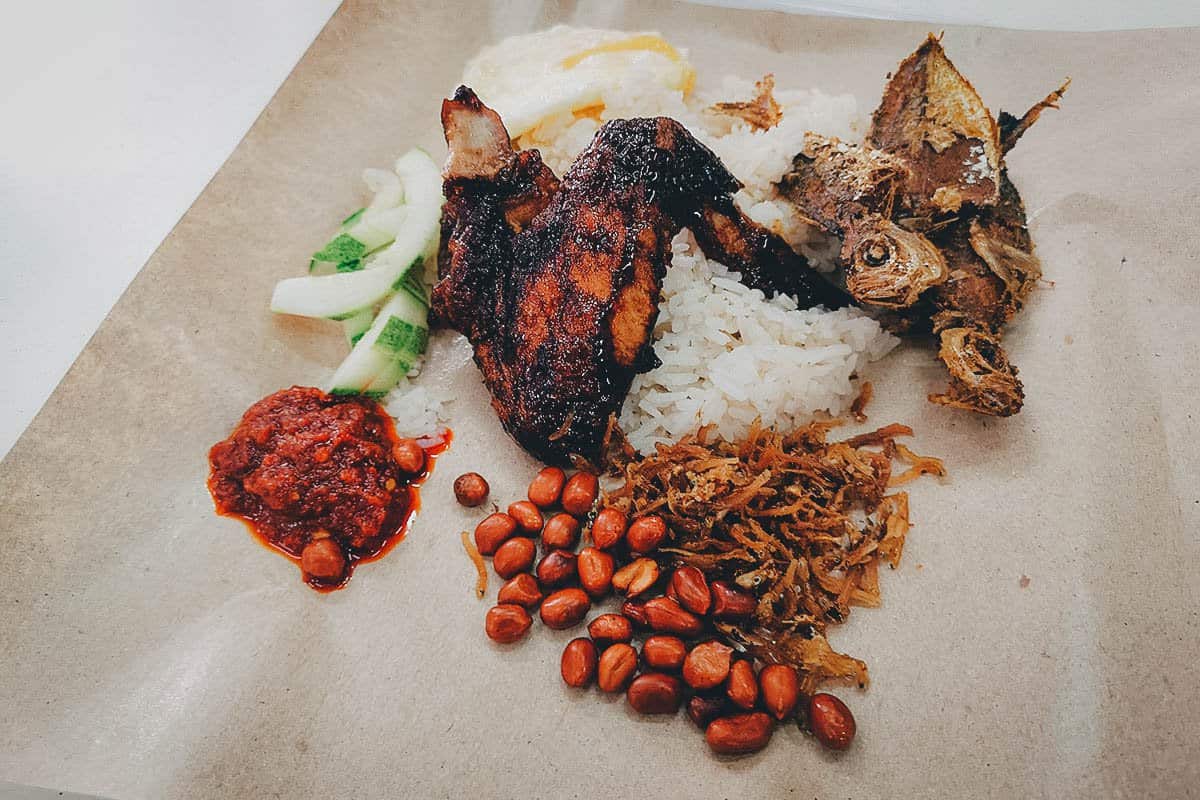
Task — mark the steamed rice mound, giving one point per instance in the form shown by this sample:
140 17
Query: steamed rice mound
730 355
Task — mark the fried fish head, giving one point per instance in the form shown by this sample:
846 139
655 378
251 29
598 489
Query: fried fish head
981 377
888 266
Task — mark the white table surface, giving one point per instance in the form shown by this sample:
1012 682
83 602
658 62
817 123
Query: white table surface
114 114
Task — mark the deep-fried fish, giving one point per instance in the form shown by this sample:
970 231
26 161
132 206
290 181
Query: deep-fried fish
850 191
557 283
933 231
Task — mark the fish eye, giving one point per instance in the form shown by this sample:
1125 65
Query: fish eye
876 252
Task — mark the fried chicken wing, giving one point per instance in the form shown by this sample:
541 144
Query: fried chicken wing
557 283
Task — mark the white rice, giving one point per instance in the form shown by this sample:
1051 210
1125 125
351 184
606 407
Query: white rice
729 355
418 409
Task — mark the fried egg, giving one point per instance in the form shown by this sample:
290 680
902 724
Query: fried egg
530 78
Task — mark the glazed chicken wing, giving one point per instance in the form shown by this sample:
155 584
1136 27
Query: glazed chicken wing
557 283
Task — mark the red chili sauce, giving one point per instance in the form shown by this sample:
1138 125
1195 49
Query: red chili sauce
322 479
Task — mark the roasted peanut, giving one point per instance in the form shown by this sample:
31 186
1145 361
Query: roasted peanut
780 689
655 693
739 734
578 664
579 493
831 721
665 616
616 667
557 568
470 489
635 577
323 560
565 608
690 589
743 685
707 665
664 652
608 629
410 456
704 708
561 532
514 556
634 612
492 532
506 623
546 487
607 528
527 515
595 569
522 590
646 533
731 603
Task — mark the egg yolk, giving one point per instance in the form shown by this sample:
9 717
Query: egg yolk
653 44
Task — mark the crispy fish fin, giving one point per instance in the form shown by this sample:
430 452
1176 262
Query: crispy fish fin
933 119
1012 128
993 268
1019 269
762 112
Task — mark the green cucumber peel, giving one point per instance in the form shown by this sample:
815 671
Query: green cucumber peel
401 336
341 249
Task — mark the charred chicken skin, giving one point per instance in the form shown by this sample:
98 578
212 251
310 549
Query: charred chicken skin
556 283
933 232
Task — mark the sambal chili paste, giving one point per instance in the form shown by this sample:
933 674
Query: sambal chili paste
323 479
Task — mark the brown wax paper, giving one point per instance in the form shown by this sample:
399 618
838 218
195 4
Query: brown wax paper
153 650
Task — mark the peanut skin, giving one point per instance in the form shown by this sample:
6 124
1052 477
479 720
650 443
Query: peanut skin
780 689
831 721
655 693
579 663
546 487
739 734
507 623
565 608
579 493
617 665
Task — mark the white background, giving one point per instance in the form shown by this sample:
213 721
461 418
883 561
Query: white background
115 114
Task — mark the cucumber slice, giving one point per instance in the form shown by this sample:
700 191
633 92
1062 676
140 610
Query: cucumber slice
375 229
354 327
357 238
367 229
388 349
338 255
385 186
413 284
342 295
387 380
